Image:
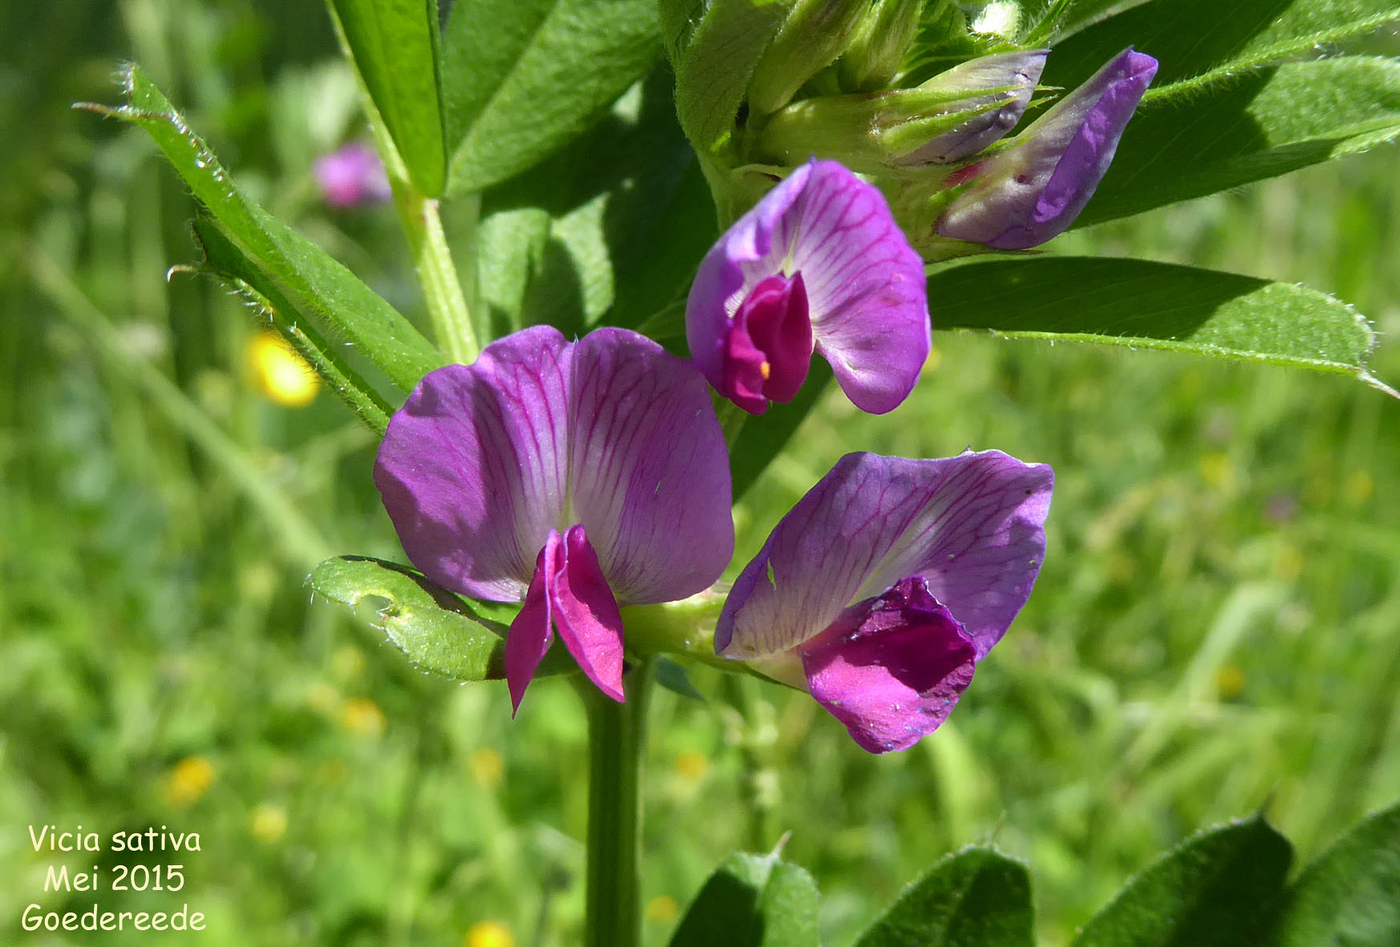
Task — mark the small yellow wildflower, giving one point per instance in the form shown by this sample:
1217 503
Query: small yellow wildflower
280 372
489 934
269 823
187 781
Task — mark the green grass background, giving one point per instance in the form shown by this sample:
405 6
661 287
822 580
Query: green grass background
1216 630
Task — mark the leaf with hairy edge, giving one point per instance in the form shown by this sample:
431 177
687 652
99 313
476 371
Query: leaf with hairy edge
752 901
1155 305
315 283
1350 896
1258 126
393 44
228 264
521 77
714 66
433 627
1067 17
974 898
1208 892
1198 40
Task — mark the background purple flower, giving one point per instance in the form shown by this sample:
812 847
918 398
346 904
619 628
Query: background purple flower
352 175
818 263
887 582
570 476
1033 191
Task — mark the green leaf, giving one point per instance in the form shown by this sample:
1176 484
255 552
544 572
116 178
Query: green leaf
522 77
1208 892
1350 896
225 262
1066 17
752 901
764 436
1260 125
433 627
974 898
312 281
714 66
394 46
1155 305
1204 39
673 677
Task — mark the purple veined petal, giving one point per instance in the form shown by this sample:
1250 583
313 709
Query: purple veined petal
586 614
1015 72
473 467
1034 190
533 628
971 526
864 284
649 470
891 669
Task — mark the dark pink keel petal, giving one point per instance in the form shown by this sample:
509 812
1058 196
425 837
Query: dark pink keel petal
586 614
529 636
892 668
649 471
473 467
971 526
769 348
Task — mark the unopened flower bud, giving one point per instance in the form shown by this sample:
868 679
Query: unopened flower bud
881 41
1033 190
950 117
813 35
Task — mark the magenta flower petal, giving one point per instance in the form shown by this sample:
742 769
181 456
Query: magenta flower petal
650 471
473 469
570 475
891 668
533 628
971 526
864 289
1033 191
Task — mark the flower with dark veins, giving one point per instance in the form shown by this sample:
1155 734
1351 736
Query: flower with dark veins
570 476
886 584
817 265
1034 189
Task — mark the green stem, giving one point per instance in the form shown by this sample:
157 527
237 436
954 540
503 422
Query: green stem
437 275
616 746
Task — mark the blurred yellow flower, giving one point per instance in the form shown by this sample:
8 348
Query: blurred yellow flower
691 765
269 823
662 909
363 718
1229 682
280 372
489 934
186 781
487 767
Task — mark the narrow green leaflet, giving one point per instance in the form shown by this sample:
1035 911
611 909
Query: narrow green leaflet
1062 18
1350 896
1258 126
1210 891
974 898
315 283
1155 305
715 65
394 46
522 77
226 263
752 901
436 629
1195 39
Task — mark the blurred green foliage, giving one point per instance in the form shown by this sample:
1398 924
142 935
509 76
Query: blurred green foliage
1216 630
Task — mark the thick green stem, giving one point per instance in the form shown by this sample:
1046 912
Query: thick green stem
437 275
616 746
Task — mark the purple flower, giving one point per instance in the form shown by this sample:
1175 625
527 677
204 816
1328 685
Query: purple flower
570 476
888 582
352 175
818 263
1033 190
